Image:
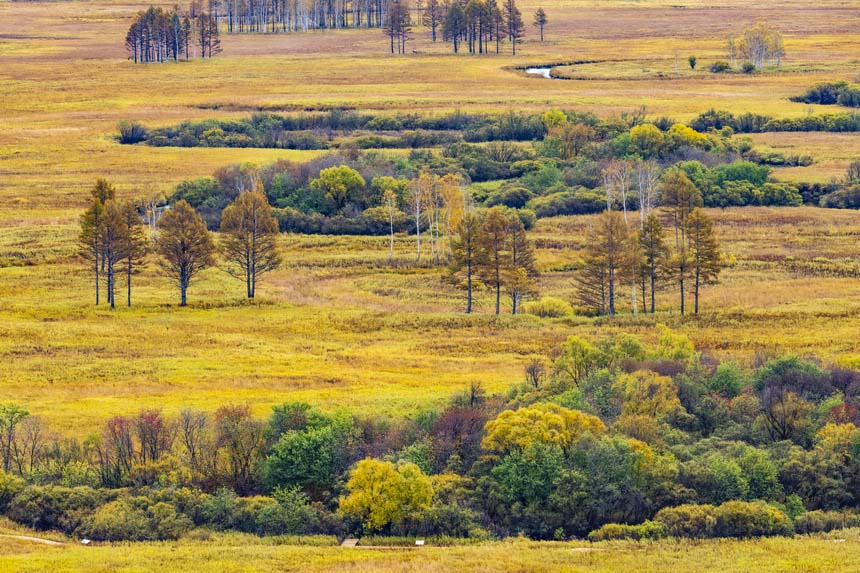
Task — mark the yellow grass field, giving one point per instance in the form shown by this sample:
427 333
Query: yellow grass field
336 327
234 553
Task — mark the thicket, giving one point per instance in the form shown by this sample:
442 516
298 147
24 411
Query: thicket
757 123
610 437
841 93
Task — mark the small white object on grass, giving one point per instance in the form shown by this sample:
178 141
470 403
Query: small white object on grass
419 542
85 541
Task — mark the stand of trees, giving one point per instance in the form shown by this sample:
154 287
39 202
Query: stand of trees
491 249
758 46
540 21
645 259
158 35
114 242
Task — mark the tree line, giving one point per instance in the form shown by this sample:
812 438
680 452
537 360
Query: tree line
159 35
609 438
477 23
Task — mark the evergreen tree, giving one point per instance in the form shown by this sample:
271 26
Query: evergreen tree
607 260
540 21
514 22
522 269
250 238
680 196
495 251
654 253
134 243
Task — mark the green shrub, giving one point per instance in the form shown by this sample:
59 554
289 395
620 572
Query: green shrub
720 67
131 132
690 520
52 507
611 531
126 520
10 485
845 198
548 307
751 519
820 521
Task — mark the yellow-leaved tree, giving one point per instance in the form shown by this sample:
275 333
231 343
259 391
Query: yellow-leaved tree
646 393
381 493
540 423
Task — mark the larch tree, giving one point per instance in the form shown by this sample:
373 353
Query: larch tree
522 269
454 24
704 252
680 196
495 251
112 244
654 253
250 233
466 247
89 239
134 242
608 255
398 25
432 17
185 246
514 23
591 285
540 21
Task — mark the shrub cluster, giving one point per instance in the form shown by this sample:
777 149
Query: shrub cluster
756 123
841 93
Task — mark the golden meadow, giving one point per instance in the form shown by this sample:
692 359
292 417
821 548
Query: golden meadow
336 327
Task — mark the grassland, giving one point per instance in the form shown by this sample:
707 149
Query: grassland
834 553
336 326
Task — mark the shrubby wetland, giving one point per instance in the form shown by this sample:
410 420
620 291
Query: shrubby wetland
549 286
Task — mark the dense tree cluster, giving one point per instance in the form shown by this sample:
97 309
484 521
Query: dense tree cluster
612 439
112 240
641 256
757 123
573 163
158 35
491 249
477 23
